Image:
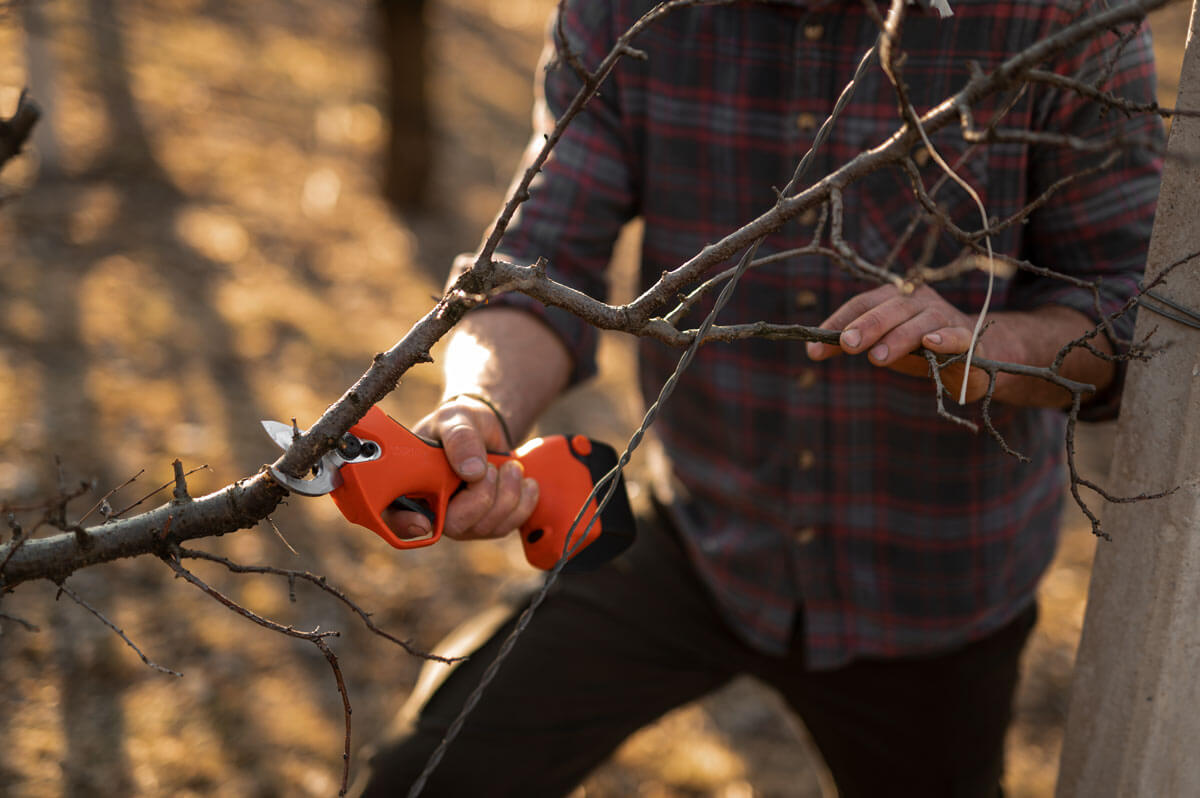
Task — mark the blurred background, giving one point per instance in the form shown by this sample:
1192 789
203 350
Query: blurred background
209 230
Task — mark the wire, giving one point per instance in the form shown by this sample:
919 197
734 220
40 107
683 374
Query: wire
1183 315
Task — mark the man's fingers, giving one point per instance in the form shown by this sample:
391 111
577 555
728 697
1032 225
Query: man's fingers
407 524
495 501
887 325
858 305
526 502
907 336
948 340
954 341
844 316
507 497
465 449
864 331
471 504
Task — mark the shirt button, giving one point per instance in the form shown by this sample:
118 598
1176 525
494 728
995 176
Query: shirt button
921 156
805 535
809 217
806 459
807 379
806 299
813 32
806 121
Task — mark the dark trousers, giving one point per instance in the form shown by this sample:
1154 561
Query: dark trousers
612 650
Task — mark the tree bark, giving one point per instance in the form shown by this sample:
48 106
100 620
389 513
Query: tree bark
1135 706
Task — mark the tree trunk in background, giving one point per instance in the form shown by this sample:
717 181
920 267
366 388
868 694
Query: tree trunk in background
1135 705
409 156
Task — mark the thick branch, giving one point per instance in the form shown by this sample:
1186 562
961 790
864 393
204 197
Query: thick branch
234 507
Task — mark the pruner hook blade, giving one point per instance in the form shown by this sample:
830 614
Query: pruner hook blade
326 473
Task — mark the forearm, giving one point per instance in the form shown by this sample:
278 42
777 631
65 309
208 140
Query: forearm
1034 338
509 357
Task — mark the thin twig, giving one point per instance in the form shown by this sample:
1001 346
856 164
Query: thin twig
1104 97
316 637
322 583
155 492
29 627
985 409
62 588
935 371
331 658
108 496
279 535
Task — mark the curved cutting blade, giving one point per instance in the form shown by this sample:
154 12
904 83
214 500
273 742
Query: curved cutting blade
326 477
280 433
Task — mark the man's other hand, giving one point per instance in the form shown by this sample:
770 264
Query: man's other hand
889 326
496 500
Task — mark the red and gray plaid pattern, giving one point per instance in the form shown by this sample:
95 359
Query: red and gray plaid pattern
833 489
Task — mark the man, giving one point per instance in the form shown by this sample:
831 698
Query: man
824 530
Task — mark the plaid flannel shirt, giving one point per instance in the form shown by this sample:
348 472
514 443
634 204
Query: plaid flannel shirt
833 489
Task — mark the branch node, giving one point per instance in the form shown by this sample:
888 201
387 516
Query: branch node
181 488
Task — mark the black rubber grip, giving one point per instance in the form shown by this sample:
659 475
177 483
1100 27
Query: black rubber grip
617 527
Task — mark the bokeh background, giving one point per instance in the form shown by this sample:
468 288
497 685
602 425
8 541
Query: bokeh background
198 240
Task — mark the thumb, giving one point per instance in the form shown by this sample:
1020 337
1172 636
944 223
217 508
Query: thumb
465 428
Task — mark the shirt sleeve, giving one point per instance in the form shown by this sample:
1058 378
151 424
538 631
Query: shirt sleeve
1098 226
584 194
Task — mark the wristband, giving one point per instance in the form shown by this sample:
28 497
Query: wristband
508 438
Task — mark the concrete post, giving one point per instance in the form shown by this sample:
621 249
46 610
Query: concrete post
1133 727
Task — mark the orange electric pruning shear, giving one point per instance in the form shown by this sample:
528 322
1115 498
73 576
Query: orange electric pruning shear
380 464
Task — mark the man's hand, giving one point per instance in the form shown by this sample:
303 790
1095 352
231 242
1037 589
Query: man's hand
495 501
889 326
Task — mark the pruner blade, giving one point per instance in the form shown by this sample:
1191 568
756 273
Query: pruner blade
326 474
